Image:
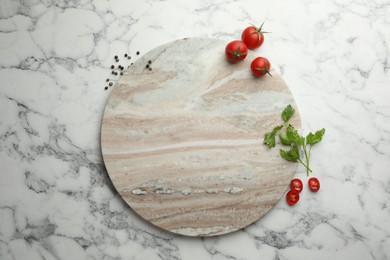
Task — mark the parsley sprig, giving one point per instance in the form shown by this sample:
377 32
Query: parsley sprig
299 146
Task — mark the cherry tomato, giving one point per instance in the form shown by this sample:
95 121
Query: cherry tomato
314 184
236 51
296 184
253 36
260 66
292 197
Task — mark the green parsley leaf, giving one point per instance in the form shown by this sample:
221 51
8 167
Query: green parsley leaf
284 139
310 138
316 137
291 155
287 113
269 137
292 135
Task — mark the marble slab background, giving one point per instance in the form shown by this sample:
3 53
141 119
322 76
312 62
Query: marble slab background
56 201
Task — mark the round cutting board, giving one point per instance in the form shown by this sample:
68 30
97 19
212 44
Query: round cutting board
182 142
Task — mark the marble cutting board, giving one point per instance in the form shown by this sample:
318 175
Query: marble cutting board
182 143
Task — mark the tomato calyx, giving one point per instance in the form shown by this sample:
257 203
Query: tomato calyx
258 30
237 55
265 69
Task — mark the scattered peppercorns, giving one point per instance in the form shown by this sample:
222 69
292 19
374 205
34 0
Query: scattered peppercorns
119 69
148 66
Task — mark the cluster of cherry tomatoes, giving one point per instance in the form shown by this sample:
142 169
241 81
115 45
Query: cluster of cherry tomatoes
251 38
296 187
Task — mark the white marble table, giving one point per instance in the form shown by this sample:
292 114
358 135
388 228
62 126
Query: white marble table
56 200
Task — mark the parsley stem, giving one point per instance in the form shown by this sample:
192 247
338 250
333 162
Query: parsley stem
308 170
307 157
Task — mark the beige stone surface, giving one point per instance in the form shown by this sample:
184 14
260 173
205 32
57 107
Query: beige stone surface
182 143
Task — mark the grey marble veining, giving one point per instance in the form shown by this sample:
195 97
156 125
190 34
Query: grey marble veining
56 201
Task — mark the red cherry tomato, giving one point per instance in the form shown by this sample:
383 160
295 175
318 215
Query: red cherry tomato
260 66
292 197
314 184
253 36
296 184
236 51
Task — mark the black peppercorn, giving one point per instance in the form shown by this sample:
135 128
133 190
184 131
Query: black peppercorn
121 73
110 84
107 80
129 57
116 57
106 88
137 53
150 69
147 66
112 66
149 61
113 72
125 54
